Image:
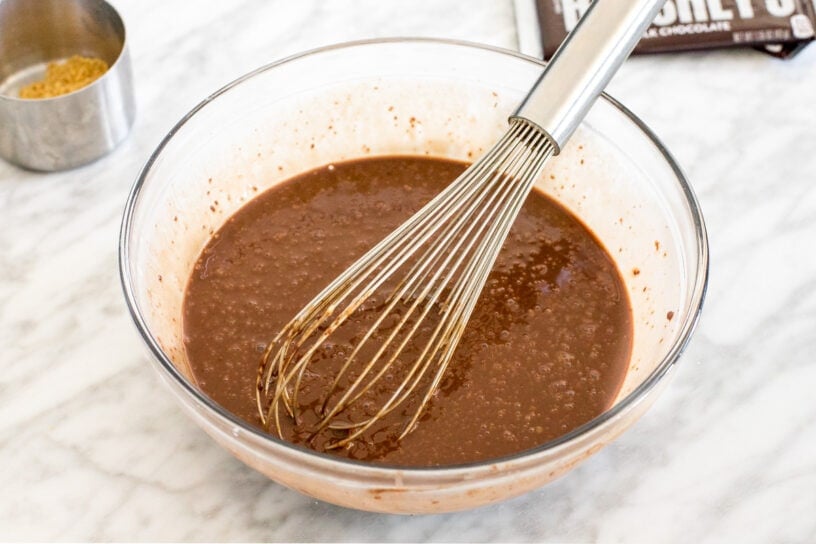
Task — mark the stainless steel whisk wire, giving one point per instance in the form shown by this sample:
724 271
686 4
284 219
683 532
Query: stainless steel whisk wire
471 217
454 239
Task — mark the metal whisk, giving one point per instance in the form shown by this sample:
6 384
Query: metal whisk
416 289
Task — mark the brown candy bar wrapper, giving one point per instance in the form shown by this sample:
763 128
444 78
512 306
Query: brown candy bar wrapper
778 27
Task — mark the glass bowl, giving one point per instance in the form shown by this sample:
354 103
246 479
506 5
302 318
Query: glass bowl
387 97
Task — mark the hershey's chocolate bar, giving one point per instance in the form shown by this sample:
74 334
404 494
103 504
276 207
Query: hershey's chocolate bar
779 27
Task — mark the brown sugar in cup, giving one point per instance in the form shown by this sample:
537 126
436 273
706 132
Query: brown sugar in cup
92 112
65 77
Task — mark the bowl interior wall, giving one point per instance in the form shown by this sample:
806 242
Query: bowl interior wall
268 129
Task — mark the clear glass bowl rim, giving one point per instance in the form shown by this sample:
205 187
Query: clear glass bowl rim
697 292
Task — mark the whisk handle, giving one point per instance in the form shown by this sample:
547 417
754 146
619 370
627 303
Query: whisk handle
584 64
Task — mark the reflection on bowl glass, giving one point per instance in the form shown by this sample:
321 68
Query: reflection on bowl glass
408 97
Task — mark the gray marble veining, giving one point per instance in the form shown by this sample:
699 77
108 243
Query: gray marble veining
93 449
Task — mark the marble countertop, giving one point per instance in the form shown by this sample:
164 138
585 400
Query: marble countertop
92 448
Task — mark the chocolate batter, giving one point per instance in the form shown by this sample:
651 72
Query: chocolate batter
545 351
